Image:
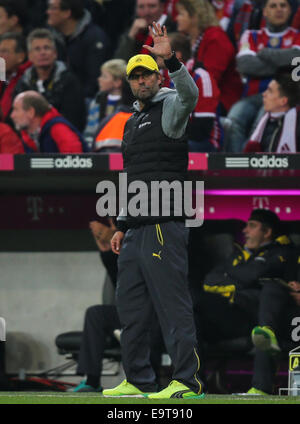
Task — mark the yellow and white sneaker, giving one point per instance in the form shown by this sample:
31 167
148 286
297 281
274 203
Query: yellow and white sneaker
176 390
124 389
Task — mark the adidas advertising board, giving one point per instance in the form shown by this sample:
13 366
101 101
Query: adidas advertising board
265 161
254 161
96 162
269 162
58 162
67 162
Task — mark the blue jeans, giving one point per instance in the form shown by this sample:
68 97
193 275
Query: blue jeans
242 114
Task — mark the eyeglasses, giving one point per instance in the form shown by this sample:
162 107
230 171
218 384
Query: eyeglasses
145 74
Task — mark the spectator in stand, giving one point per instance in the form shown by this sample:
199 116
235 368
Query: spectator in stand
42 128
132 41
211 48
52 79
204 130
223 9
112 75
261 53
296 20
9 140
279 128
170 8
86 45
13 16
13 51
111 128
113 16
248 14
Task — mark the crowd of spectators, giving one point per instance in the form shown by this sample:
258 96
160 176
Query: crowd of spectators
74 53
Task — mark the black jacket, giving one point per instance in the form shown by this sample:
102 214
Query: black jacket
150 155
243 270
85 51
62 90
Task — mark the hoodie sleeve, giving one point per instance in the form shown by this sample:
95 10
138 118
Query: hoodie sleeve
179 104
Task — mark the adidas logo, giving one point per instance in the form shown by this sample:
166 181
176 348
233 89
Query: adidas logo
239 162
264 161
269 162
67 162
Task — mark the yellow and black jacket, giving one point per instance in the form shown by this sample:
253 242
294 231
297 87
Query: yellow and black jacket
243 269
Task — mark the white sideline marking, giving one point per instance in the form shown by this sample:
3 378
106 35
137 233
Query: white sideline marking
222 397
50 395
2 330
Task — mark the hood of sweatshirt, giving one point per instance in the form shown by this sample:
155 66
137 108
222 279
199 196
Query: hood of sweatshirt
159 96
82 24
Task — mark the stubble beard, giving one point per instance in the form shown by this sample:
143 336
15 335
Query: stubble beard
146 96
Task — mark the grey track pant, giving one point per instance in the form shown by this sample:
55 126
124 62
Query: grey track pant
152 275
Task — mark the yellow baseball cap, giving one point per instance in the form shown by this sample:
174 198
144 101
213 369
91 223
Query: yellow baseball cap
143 60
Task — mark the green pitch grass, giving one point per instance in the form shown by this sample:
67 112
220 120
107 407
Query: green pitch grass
35 398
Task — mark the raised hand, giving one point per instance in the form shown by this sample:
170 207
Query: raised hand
162 45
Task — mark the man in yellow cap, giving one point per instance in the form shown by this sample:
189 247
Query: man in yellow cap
153 263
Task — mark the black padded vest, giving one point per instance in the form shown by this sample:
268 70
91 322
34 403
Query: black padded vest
149 155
